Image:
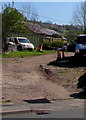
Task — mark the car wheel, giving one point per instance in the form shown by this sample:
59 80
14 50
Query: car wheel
19 48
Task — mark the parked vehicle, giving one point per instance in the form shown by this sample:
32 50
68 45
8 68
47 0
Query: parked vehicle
80 45
21 43
71 47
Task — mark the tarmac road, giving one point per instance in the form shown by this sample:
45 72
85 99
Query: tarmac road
71 108
70 113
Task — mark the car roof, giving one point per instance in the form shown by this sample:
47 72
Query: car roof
16 37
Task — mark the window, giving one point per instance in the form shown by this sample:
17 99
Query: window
81 40
11 40
22 40
15 40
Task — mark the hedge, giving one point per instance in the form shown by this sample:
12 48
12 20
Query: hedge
52 44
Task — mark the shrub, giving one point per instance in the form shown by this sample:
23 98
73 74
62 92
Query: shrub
57 44
52 44
47 45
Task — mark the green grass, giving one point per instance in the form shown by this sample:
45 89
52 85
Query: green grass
25 53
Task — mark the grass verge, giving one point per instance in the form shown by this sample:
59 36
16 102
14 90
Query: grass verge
25 53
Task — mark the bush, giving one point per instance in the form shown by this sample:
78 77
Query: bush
47 45
52 44
57 44
82 82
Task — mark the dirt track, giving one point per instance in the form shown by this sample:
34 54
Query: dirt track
35 77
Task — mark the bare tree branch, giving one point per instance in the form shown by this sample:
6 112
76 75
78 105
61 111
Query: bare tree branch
30 11
79 16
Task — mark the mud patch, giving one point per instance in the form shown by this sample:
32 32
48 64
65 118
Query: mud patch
32 77
48 73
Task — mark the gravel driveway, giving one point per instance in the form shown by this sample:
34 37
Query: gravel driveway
34 77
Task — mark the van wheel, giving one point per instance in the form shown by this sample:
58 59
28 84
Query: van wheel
19 48
30 49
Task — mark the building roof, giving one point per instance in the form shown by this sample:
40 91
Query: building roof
38 29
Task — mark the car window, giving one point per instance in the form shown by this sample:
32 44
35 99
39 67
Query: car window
81 40
15 40
22 40
11 40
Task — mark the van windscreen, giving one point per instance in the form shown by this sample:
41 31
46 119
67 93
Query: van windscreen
22 40
81 40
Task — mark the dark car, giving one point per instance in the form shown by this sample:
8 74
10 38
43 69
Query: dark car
71 47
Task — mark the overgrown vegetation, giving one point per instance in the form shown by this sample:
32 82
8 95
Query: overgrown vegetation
52 44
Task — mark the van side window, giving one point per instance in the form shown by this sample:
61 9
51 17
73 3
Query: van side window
15 40
11 40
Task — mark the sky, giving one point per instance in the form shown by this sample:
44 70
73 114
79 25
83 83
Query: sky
56 12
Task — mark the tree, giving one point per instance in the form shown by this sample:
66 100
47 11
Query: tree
72 32
79 16
30 11
12 21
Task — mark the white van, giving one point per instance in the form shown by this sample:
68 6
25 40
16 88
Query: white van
21 43
80 45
